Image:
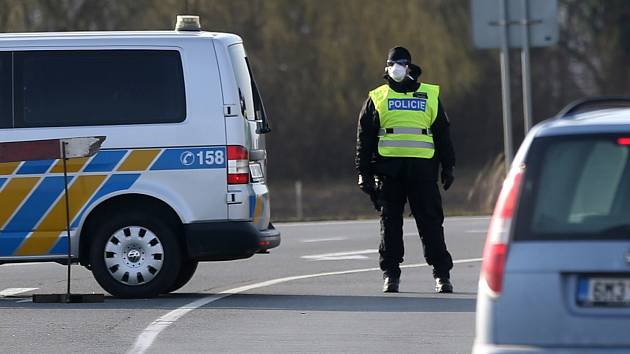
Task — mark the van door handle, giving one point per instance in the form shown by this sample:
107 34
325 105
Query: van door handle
257 155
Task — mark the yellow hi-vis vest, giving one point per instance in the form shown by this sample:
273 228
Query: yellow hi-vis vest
406 120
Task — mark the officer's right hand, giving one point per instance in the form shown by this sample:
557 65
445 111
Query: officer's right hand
366 183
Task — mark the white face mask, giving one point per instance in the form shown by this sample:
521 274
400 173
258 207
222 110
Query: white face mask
397 72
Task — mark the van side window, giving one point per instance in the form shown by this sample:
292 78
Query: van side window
6 105
98 87
244 81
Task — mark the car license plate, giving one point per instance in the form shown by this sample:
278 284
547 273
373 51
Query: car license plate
603 291
256 171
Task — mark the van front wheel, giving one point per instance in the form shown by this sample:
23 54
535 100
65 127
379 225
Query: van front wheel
185 274
135 255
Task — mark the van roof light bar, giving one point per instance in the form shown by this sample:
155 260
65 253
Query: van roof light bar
188 23
593 103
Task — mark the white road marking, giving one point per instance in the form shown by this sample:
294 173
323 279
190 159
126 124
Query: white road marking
374 221
148 335
312 240
25 264
468 218
15 291
339 255
327 223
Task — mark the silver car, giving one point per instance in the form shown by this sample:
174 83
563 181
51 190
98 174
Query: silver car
556 271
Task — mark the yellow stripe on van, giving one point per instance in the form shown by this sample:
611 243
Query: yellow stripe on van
13 194
139 160
72 165
259 205
7 168
47 233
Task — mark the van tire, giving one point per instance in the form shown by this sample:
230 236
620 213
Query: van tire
135 242
186 273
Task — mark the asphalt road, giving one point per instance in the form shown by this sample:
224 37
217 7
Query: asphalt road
319 292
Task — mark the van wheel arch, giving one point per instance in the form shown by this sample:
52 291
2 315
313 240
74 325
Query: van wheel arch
127 202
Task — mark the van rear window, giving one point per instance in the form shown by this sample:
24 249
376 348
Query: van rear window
576 188
6 109
98 87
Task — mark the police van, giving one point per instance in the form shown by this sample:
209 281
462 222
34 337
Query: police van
180 177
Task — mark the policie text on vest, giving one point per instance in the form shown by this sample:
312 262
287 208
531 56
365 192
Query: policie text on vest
407 104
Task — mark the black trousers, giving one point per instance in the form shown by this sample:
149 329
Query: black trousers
426 206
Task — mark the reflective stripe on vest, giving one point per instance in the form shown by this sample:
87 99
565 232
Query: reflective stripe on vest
405 120
405 144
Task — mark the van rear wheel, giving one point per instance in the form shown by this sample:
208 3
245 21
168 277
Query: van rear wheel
135 255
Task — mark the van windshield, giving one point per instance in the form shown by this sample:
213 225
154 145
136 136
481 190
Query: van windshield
576 188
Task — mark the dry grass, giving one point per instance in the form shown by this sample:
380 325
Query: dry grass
473 193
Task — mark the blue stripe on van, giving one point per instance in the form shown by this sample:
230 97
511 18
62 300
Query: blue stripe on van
35 167
105 161
252 205
30 214
2 180
191 159
61 247
113 184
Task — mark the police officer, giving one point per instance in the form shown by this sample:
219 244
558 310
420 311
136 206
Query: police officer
402 139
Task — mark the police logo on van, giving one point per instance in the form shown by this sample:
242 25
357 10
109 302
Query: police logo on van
191 159
407 104
187 158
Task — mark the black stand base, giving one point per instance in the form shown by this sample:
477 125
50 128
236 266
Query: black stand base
65 298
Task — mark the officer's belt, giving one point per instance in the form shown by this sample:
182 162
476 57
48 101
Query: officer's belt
416 131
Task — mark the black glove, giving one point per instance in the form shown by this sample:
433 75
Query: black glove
368 186
447 177
366 183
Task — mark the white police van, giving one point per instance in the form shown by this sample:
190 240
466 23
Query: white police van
180 177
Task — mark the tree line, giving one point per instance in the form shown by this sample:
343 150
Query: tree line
315 62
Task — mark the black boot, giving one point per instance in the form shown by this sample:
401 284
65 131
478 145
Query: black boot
391 285
443 285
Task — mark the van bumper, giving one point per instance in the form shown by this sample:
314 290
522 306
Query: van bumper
228 240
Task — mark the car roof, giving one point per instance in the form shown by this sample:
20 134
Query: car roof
29 38
600 121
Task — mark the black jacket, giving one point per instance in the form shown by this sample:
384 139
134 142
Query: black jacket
369 162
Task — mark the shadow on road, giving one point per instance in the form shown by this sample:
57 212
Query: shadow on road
386 303
262 302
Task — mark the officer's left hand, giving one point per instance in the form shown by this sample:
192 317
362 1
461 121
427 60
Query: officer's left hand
447 178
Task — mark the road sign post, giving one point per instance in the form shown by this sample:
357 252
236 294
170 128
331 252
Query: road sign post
526 74
506 24
505 86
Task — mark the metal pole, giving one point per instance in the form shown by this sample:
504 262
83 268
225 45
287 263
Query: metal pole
299 206
527 88
505 86
65 187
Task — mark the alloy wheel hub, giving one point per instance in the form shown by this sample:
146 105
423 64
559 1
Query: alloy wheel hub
134 255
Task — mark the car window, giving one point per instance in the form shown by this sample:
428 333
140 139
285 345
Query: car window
577 188
6 109
98 87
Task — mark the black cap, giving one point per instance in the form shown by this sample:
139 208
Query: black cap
399 53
